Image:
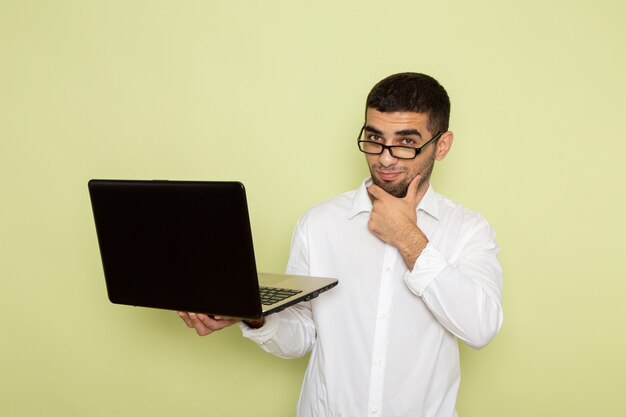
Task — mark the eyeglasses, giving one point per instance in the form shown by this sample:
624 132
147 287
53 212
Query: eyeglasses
400 152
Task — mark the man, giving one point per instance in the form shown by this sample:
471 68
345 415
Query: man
416 272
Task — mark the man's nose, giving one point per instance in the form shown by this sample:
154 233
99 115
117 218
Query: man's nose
386 159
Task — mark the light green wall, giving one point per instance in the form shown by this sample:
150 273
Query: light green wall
271 93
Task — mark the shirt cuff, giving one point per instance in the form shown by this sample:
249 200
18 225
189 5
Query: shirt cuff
427 267
263 333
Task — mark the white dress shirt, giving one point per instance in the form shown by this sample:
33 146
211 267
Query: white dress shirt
384 341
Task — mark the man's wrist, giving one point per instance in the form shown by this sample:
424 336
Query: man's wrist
412 248
255 324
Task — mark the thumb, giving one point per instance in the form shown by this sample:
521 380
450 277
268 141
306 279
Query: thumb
411 192
376 192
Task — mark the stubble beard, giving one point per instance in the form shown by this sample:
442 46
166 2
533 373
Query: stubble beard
400 189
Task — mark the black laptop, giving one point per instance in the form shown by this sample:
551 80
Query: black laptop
187 246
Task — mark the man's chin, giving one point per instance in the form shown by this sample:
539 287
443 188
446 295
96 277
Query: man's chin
395 189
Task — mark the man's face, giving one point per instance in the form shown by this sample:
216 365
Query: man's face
405 129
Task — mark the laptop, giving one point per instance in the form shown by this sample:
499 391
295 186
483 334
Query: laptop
187 246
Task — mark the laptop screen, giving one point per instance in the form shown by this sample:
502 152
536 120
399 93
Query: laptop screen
178 245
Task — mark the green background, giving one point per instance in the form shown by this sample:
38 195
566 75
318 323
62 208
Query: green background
271 94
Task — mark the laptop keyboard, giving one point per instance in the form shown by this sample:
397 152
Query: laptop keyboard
271 295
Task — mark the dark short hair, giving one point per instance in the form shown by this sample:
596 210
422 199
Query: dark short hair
412 92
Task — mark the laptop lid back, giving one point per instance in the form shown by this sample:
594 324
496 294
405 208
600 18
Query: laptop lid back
177 245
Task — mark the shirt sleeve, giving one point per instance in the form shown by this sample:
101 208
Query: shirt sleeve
463 290
289 333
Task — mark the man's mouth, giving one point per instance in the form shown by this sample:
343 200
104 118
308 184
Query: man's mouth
388 175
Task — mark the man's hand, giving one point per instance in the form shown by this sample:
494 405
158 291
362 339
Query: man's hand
204 324
394 221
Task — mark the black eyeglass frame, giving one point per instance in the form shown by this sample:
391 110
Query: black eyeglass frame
392 147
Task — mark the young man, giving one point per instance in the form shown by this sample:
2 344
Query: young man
416 271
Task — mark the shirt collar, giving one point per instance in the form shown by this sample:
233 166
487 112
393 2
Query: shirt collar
430 203
362 203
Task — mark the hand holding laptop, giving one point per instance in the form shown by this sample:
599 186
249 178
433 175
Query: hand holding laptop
205 324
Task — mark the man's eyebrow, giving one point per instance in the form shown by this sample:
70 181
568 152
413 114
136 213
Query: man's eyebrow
404 132
371 129
408 132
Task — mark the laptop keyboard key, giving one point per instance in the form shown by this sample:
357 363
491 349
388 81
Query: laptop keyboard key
271 295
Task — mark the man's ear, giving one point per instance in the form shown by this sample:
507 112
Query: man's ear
443 145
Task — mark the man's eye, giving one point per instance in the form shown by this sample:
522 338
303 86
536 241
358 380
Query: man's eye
407 142
374 138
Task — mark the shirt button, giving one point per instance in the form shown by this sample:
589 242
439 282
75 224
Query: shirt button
382 316
388 270
374 412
